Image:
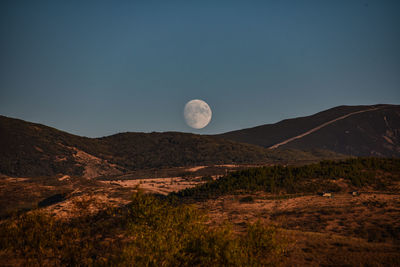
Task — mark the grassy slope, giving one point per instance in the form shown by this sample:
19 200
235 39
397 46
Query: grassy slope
372 133
376 172
148 232
29 149
270 134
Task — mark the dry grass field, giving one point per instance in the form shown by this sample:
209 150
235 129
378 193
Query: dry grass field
342 230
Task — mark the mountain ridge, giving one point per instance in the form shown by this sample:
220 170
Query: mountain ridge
378 139
31 149
320 127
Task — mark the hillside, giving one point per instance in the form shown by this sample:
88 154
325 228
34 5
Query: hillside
354 224
352 130
29 149
376 173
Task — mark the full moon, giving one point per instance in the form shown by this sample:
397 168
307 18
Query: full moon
197 113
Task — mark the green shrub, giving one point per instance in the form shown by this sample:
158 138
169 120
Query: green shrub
148 232
40 239
300 179
177 235
248 199
207 178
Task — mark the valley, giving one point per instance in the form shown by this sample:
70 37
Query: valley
309 205
356 224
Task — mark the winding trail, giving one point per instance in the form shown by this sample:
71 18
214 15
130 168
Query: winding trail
319 127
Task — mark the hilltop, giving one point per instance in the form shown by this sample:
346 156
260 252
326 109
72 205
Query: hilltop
30 149
351 130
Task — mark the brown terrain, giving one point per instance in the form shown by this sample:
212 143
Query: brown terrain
342 230
18 194
70 175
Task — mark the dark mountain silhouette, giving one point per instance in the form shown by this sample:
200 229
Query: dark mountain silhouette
29 149
352 130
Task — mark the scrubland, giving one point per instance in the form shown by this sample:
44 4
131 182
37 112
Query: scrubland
241 216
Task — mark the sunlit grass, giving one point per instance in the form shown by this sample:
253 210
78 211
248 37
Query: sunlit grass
148 232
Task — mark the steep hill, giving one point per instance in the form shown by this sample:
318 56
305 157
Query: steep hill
29 149
352 130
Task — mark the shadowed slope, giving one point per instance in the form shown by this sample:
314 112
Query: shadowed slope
29 149
353 130
374 133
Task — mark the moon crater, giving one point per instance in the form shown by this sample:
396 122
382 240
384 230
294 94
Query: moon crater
197 113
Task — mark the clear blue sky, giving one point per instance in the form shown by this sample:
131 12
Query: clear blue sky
96 68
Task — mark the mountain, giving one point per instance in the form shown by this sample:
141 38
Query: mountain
30 149
352 130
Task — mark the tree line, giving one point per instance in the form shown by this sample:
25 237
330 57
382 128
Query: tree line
300 179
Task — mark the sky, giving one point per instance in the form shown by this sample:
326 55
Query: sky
96 68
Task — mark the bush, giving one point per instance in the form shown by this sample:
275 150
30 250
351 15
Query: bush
40 239
248 199
177 235
149 232
207 179
376 172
